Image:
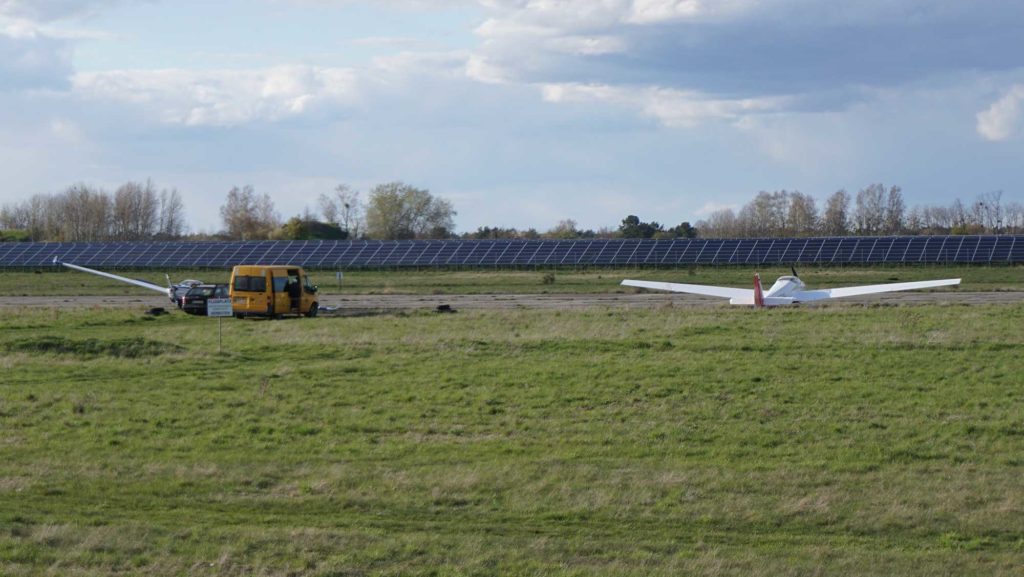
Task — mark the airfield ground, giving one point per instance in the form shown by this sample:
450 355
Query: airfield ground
589 440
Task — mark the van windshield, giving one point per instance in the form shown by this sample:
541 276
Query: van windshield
251 284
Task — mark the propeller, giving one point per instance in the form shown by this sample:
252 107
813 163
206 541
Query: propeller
792 268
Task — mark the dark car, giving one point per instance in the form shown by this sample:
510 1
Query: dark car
194 301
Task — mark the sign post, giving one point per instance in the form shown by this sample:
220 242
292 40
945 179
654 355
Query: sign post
219 308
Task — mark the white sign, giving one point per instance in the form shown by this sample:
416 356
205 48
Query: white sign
218 308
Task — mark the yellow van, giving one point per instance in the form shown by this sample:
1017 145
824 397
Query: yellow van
272 291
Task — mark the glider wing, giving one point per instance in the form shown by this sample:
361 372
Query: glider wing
697 289
138 283
822 294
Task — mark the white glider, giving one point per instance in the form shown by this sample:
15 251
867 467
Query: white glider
173 291
786 291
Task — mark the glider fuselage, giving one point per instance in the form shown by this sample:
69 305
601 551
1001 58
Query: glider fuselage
780 293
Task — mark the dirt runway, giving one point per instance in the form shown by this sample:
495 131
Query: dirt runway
386 303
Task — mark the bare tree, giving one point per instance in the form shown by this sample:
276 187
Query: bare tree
328 208
172 214
42 218
248 216
1013 222
135 211
765 215
836 221
989 208
958 218
13 217
894 211
84 214
869 214
719 224
802 218
914 222
935 220
345 209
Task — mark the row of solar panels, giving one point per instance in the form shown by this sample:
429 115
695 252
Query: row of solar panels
497 253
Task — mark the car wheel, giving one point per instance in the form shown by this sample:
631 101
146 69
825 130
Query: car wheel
313 310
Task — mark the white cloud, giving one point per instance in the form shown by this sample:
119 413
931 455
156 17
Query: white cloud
653 11
480 69
66 130
820 54
587 45
406 64
33 62
494 28
711 207
567 16
35 54
672 108
49 10
1003 119
221 98
387 41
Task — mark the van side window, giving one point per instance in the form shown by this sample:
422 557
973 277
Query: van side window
279 283
250 284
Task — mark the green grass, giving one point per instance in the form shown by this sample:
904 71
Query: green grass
975 278
852 440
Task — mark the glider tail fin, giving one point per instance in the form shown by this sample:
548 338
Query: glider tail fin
758 293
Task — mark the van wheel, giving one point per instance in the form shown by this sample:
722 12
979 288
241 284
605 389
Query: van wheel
313 310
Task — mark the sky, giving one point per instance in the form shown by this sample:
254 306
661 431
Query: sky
520 112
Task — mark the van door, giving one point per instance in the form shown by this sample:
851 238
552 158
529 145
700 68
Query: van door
281 300
308 295
294 289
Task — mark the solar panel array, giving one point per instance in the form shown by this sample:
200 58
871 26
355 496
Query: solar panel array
527 253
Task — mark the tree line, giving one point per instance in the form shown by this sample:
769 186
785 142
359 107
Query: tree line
874 210
631 227
399 211
139 211
392 211
134 211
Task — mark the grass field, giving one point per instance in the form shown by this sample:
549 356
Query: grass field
834 441
975 278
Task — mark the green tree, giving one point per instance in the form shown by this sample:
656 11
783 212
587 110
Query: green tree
565 229
684 230
299 228
396 211
633 227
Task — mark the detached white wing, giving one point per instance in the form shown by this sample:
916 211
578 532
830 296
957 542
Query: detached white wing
697 289
851 291
138 283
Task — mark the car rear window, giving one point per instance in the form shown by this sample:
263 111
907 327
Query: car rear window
251 283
